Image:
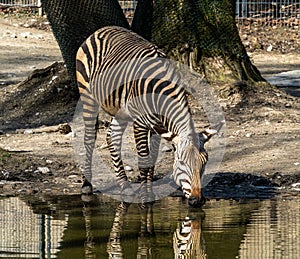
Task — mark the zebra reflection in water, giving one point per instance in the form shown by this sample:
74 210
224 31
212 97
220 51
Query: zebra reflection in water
187 240
145 246
187 237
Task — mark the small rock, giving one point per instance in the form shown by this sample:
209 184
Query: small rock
269 49
64 128
44 170
288 105
53 78
248 135
28 131
48 161
295 185
297 163
5 174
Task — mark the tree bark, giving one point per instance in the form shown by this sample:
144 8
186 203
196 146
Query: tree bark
73 21
203 35
143 19
199 33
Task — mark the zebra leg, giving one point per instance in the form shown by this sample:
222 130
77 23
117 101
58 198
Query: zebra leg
145 161
114 247
90 114
154 148
146 248
114 142
89 244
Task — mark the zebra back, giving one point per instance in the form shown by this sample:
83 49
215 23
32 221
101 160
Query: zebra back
123 72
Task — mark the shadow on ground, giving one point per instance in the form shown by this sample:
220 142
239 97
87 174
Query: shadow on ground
227 185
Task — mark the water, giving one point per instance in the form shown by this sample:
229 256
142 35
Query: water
68 227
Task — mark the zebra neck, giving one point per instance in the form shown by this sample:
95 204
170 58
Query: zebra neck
184 141
187 132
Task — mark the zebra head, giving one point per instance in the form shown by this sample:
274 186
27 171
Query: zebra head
188 240
189 164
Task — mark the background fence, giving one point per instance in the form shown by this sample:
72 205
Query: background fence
23 3
268 12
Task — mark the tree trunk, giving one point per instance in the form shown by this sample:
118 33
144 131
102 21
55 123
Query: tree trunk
73 21
203 35
199 33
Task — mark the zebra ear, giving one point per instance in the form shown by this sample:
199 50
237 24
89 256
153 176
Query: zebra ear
209 132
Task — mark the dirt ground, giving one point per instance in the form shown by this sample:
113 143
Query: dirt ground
262 132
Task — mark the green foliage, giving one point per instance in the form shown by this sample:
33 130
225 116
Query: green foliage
4 154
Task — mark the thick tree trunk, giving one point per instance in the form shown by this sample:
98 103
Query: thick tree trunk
199 33
73 21
143 19
203 34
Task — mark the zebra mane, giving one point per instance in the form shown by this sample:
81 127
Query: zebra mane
192 157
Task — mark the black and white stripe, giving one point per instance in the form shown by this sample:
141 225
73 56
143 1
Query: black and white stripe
187 240
131 79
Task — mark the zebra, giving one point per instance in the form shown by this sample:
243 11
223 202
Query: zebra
188 240
146 231
131 79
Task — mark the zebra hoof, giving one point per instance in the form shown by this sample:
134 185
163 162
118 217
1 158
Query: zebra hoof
86 188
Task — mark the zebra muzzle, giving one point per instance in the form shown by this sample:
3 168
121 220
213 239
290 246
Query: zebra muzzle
194 201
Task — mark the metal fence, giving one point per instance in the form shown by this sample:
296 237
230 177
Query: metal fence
268 12
22 3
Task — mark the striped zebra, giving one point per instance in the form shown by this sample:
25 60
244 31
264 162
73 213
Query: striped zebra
187 240
146 231
132 80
